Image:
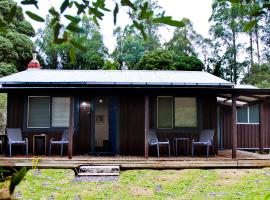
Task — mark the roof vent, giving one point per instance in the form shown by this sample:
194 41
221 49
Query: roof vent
34 64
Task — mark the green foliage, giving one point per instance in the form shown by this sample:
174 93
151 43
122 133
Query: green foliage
7 69
259 76
188 63
3 112
226 26
141 12
111 65
184 39
84 50
159 59
16 46
16 179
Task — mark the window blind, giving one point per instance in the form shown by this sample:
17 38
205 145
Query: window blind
165 114
38 112
60 111
185 112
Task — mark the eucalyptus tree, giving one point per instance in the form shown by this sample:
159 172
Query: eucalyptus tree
59 56
131 44
184 39
95 10
226 26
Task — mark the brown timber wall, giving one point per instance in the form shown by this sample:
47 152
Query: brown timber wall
132 125
247 134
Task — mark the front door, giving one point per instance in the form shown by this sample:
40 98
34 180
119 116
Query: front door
105 125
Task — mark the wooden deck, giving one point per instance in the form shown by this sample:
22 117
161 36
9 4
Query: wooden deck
223 160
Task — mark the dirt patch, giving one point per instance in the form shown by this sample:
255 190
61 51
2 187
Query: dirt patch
231 176
141 192
171 175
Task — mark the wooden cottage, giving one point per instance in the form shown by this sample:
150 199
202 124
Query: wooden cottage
111 112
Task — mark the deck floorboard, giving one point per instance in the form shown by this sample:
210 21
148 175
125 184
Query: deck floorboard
223 160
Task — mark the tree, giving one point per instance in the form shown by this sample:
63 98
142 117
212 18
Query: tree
138 13
259 76
225 29
188 63
16 47
131 45
58 56
159 59
184 40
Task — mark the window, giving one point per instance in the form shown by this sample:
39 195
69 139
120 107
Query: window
38 112
178 112
185 110
60 111
46 112
164 112
248 115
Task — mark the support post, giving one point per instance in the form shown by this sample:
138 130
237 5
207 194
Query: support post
146 125
71 126
234 128
261 130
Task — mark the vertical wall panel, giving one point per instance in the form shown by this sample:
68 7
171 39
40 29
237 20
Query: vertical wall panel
248 134
132 125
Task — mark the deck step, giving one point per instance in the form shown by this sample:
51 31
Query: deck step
102 169
96 173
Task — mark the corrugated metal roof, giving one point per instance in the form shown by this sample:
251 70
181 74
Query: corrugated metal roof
115 77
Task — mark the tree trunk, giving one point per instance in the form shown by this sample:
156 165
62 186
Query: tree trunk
234 57
251 52
257 43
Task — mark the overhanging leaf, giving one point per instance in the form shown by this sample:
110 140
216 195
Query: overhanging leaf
74 28
77 45
140 28
16 179
53 12
74 20
34 16
129 4
96 13
115 12
30 2
249 25
64 5
168 21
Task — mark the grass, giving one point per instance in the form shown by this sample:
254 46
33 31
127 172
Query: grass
148 184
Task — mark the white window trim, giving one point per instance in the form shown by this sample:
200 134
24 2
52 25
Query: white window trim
253 123
172 112
28 110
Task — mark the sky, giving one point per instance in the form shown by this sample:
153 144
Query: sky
198 11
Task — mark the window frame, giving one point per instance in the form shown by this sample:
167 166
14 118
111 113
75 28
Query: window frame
175 129
28 107
246 123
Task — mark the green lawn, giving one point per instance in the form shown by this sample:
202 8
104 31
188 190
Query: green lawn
149 184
